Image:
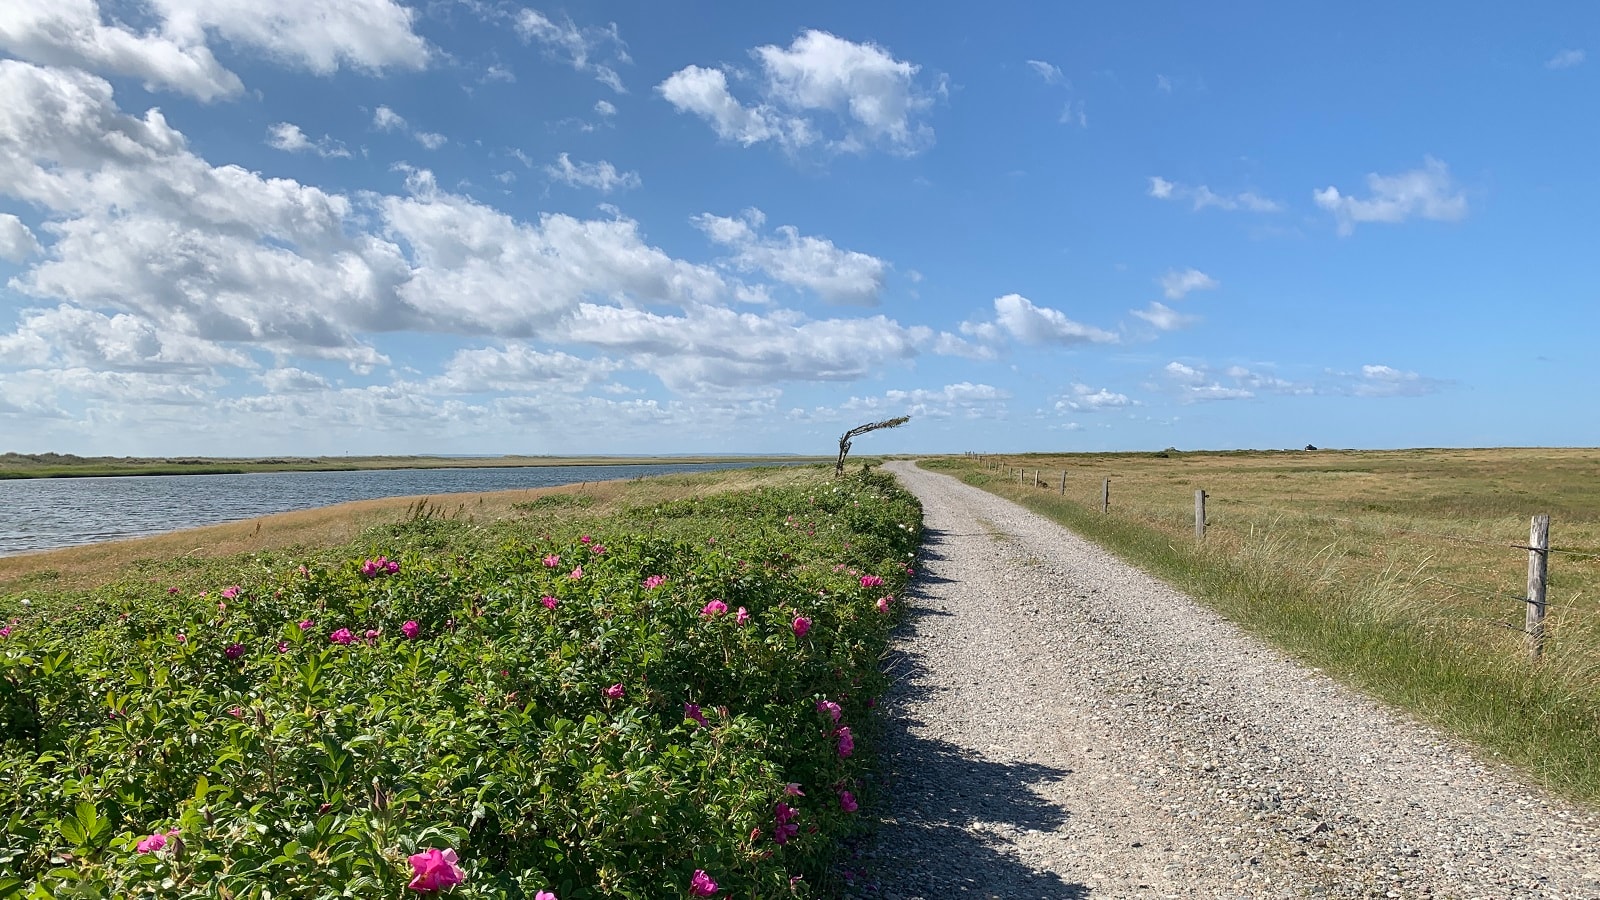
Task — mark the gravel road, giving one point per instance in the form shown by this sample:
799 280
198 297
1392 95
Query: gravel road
1064 725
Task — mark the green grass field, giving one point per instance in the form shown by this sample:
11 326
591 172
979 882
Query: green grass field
1397 571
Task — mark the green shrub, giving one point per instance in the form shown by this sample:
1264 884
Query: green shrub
523 702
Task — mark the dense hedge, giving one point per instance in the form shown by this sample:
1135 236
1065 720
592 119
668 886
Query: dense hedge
678 696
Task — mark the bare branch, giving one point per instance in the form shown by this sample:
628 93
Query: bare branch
845 439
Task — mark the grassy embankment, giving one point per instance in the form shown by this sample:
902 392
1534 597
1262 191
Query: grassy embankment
517 691
1316 552
66 465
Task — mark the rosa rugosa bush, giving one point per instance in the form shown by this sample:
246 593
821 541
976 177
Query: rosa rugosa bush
442 711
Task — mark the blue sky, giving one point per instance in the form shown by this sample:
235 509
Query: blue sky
230 227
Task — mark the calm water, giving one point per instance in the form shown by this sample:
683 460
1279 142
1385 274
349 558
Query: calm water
42 513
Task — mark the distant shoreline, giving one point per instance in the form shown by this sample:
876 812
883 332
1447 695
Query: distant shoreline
52 465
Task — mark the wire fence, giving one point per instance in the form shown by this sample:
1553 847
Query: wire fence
1538 549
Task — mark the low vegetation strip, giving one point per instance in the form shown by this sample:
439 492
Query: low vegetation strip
67 465
675 700
1302 549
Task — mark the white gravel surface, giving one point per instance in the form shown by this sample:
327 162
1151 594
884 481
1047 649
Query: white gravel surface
1064 725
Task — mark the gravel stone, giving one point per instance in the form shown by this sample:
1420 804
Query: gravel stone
1063 725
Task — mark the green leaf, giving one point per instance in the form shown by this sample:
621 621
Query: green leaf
72 831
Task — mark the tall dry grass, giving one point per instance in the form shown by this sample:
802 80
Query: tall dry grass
1396 571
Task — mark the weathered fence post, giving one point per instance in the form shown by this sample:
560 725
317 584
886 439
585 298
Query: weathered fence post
1036 478
1538 564
1199 515
1063 482
1105 496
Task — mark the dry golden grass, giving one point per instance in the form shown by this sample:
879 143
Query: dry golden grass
1400 570
94 565
1438 528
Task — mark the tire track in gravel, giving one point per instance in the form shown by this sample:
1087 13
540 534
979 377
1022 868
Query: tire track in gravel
1066 726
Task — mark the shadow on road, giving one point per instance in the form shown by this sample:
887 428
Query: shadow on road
949 817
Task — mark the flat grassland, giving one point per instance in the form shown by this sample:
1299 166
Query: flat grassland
1397 571
66 465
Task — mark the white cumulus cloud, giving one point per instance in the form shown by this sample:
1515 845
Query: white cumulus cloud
1387 381
1201 197
1017 316
1165 318
1177 284
602 176
1428 193
1566 59
964 399
810 263
288 137
578 47
871 98
1196 385
386 119
1050 72
17 242
319 36
1084 398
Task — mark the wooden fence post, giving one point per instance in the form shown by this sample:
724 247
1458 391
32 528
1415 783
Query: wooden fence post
1199 516
1063 482
1105 496
1035 478
1538 565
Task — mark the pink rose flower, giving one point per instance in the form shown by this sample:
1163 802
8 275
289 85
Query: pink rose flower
5 631
576 573
585 539
615 692
714 608
847 802
549 601
228 593
283 646
183 638
847 742
435 870
156 841
545 895
701 884
883 604
342 636
410 629
551 561
692 711
801 626
654 581
792 789
831 708
742 617
306 624
784 825
871 581
233 651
